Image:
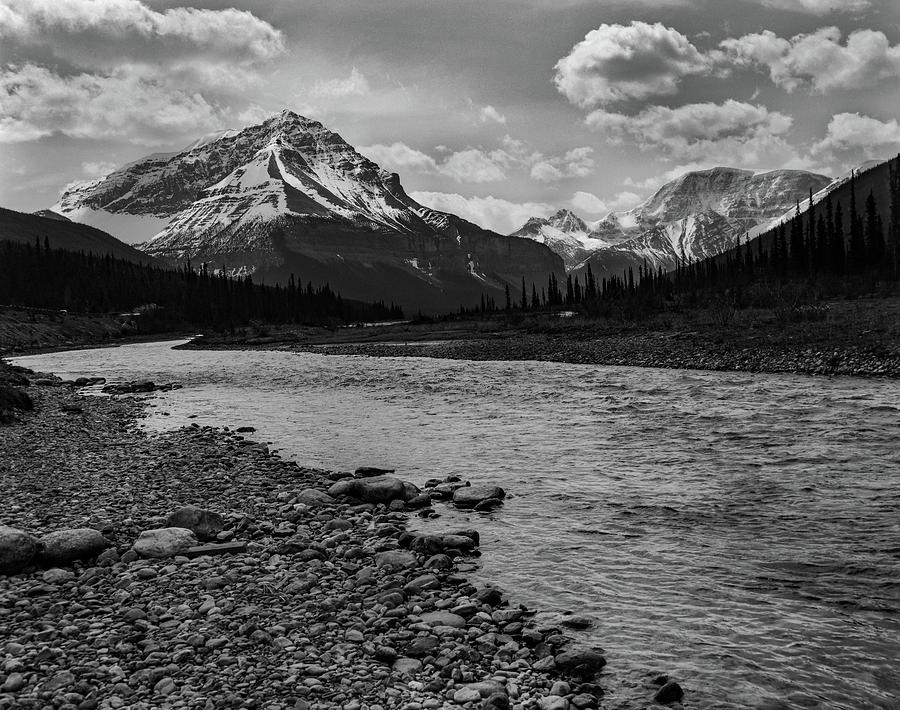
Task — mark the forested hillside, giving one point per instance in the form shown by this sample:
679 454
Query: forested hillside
39 276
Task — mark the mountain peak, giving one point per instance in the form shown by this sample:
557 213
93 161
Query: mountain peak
567 221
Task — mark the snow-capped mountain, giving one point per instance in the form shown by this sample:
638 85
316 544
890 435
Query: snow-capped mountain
569 235
697 215
290 196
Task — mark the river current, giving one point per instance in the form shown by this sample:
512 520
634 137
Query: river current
740 532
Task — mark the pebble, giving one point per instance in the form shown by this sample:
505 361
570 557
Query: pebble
316 611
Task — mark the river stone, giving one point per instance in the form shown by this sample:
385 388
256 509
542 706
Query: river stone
396 559
583 662
669 693
74 544
17 549
311 496
444 618
371 471
487 688
378 489
407 666
205 524
470 496
164 542
466 695
553 702
423 646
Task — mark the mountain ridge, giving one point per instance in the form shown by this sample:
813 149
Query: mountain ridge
698 214
290 196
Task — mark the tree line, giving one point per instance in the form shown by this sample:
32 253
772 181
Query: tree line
38 276
839 250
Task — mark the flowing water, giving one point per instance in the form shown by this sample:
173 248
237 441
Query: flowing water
740 532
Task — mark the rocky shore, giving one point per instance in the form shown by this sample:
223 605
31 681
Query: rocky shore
678 351
287 587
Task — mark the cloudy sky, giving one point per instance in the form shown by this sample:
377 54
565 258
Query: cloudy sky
493 109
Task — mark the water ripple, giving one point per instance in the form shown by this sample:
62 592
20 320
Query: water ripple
736 531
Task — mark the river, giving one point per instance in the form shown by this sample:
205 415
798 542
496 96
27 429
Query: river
740 532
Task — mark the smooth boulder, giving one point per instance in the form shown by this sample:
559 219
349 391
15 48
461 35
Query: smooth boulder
164 542
205 524
671 692
65 546
471 496
378 489
17 549
581 662
312 496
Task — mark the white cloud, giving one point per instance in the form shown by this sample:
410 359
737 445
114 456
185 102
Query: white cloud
121 69
397 157
477 165
732 132
852 138
472 165
95 33
617 62
490 212
37 102
489 113
355 84
98 169
575 163
819 61
818 7
591 204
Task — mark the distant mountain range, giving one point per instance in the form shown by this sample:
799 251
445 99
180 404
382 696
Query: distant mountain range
700 214
290 196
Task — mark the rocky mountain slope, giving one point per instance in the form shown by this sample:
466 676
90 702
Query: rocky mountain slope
290 196
699 214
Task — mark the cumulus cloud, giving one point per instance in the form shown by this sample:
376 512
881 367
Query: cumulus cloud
355 84
121 69
96 34
490 212
399 156
852 138
489 114
472 165
818 7
732 132
575 163
615 63
818 61
477 165
37 102
589 203
98 169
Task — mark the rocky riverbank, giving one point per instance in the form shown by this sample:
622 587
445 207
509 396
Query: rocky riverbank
678 351
310 592
858 338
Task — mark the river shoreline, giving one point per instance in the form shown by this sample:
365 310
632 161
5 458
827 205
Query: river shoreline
308 616
843 338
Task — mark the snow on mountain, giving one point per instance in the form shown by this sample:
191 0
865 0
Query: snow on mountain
569 236
699 214
289 195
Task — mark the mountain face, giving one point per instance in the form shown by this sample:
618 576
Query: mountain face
290 196
699 214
